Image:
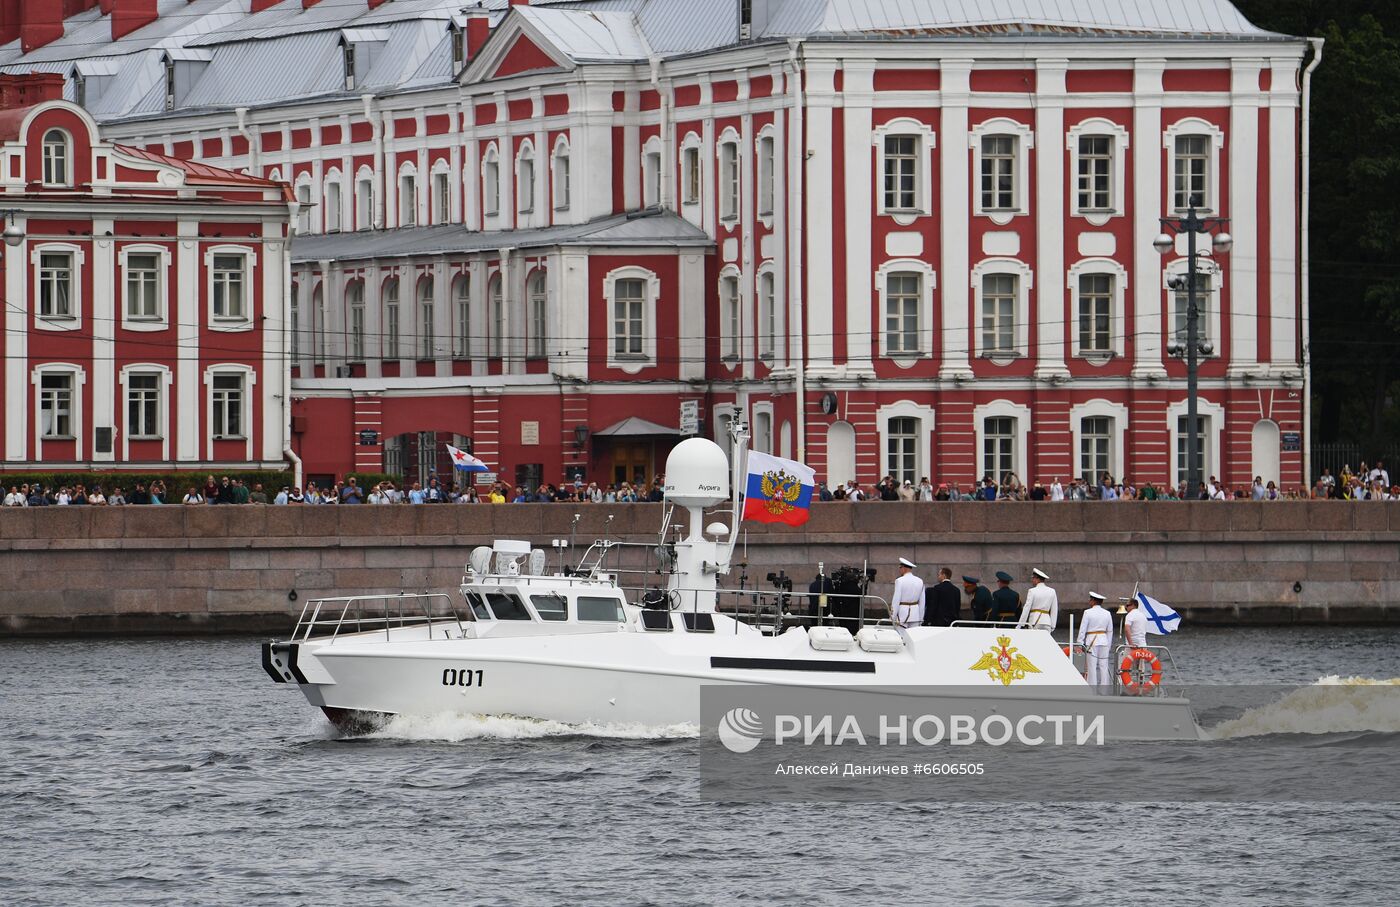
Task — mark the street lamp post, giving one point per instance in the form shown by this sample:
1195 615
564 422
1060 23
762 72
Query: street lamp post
1191 225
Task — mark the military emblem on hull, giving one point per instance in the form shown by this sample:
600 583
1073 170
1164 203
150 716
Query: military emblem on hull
1004 663
781 490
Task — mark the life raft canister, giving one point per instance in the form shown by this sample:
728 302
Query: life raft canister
1137 663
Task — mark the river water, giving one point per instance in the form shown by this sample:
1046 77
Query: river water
149 771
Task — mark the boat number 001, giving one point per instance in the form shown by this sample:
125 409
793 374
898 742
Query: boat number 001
466 677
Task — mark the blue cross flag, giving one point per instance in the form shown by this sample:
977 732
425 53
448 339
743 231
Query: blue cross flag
1161 619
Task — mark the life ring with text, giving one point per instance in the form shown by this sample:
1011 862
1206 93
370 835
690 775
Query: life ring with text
1140 671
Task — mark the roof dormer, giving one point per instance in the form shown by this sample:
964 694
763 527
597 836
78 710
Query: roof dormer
359 48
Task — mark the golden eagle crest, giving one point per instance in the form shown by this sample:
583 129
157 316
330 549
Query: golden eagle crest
1005 663
781 490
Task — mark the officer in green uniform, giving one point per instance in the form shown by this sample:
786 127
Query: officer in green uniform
981 597
1006 603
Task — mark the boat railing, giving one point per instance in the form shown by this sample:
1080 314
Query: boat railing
1141 676
771 611
999 624
327 617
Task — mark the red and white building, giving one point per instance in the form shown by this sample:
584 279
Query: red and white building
907 237
137 294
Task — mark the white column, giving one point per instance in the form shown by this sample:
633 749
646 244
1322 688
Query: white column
104 327
273 390
691 292
631 149
572 303
374 322
189 391
821 97
1282 306
1148 192
17 346
1049 213
859 94
955 217
590 107
1243 148
442 317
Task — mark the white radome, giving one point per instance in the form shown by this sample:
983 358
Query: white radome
697 474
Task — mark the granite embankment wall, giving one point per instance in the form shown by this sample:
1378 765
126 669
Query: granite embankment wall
171 569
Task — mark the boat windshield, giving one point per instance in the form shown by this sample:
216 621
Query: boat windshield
478 606
507 607
598 608
551 606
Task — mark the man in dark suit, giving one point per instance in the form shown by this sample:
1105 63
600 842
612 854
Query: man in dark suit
942 601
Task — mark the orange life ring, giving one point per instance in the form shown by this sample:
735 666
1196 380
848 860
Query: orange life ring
1140 661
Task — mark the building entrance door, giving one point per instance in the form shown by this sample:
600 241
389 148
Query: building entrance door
633 462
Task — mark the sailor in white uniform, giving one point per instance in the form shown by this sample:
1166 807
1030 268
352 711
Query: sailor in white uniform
1096 638
1134 625
1042 607
907 604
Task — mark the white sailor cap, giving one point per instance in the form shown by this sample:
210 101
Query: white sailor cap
1040 573
905 562
1096 597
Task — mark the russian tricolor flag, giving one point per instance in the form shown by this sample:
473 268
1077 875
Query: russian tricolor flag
465 461
778 490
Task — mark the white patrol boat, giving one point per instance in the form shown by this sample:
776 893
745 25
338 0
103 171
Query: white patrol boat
570 646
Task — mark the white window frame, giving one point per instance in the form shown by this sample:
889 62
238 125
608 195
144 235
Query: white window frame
318 324
162 406
294 323
250 380
1119 143
496 315
161 320
424 314
355 332
333 219
1213 302
1099 408
525 182
461 315
1214 414
692 171
63 159
226 323
652 153
364 199
1003 409
633 363
440 193
491 182
925 141
731 317
537 314
928 283
766 161
772 339
156 431
391 341
75 411
1117 326
1024 284
730 176
761 419
77 258
408 201
1025 143
925 423
561 175
1194 126
303 196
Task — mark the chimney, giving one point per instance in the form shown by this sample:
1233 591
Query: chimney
519 2
307 4
40 22
478 30
107 6
130 15
260 5
28 90
376 3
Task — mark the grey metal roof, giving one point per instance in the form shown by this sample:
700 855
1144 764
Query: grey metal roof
652 228
589 35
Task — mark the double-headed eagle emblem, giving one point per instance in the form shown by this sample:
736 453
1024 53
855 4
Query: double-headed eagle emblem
781 489
1004 663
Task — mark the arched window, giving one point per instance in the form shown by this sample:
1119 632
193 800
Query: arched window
355 321
539 299
425 318
391 320
525 179
332 201
561 175
408 196
57 166
490 183
304 206
294 323
318 314
495 336
462 310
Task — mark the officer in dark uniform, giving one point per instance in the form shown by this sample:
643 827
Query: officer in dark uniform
942 601
1006 603
981 597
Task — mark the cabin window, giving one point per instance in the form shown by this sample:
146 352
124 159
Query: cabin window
551 607
478 606
507 607
603 609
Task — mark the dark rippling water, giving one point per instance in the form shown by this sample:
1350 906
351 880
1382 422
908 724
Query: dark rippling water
173 772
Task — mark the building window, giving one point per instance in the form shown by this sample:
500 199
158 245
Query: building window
57 171
538 302
229 281
303 208
408 200
56 285
903 300
901 172
355 310
318 325
525 179
391 320
364 203
767 317
999 295
491 184
442 198
56 405
495 338
462 311
227 416
998 446
902 449
1181 308
425 318
333 206
562 187
1095 448
143 286
767 160
999 173
1183 437
143 405
347 64
294 323
729 180
733 317
1095 313
690 175
1191 177
1095 173
629 318
651 178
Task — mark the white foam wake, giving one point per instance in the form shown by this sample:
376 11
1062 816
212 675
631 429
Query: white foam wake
1332 705
453 728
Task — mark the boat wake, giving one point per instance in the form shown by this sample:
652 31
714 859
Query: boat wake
454 728
1331 705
